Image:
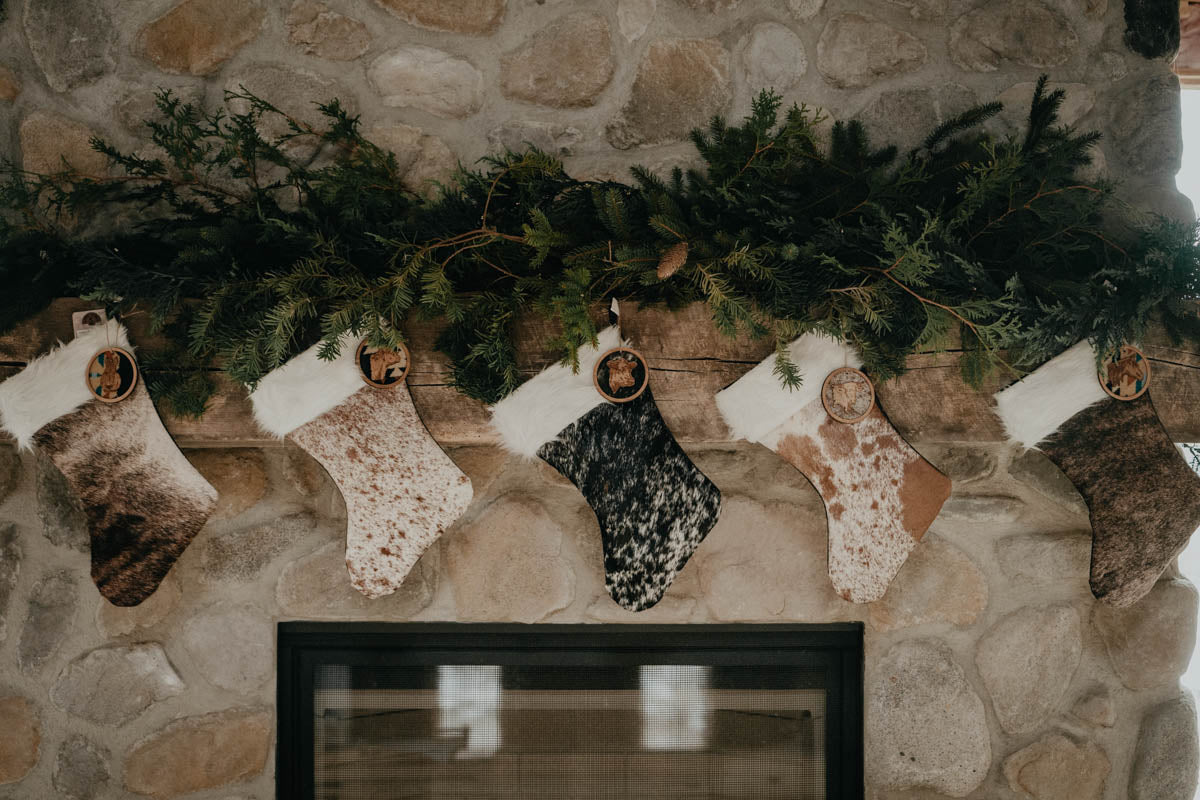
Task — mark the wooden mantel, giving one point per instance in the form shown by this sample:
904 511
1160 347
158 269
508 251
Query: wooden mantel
690 361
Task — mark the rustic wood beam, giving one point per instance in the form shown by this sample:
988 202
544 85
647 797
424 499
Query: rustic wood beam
690 361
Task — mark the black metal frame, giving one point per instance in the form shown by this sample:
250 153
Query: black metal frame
303 646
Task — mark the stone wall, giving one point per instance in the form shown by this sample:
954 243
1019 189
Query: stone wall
991 671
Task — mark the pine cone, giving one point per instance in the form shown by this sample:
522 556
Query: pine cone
672 260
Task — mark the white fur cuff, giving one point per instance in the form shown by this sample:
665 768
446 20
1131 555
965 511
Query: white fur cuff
54 384
1034 407
305 388
758 402
551 400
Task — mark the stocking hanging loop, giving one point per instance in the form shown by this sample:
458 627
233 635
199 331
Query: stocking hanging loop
848 395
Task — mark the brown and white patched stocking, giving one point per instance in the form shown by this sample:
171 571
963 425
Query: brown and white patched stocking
880 495
1143 498
401 490
143 501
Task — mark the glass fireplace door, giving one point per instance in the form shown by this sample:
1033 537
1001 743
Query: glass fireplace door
457 712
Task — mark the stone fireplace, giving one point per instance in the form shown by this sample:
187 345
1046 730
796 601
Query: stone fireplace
990 671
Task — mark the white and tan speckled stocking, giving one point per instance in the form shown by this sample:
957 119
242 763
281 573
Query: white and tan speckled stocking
880 495
401 490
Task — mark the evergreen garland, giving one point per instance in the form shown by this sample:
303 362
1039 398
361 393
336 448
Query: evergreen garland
245 248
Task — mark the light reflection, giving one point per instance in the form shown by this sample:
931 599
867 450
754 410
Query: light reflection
468 698
675 706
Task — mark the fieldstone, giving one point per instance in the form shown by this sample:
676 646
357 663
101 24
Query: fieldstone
782 572
1025 31
508 563
138 104
712 6
472 17
1151 641
320 31
548 137
198 36
115 621
634 17
982 508
1113 65
318 587
925 9
1152 28
928 726
939 583
1033 469
1055 767
81 769
856 50
429 80
47 140
1026 661
483 465
906 116
423 160
113 685
198 753
1097 708
51 613
20 738
238 474
564 65
302 471
1167 757
680 84
1146 126
10 86
72 41
773 58
1057 559
805 9
242 555
296 91
233 646
10 570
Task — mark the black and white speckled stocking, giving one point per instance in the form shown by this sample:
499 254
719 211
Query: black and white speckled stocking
653 505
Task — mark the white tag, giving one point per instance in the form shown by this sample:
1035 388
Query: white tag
82 320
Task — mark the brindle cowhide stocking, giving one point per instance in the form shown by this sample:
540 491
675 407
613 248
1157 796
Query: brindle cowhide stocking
880 495
653 505
401 490
1143 498
143 501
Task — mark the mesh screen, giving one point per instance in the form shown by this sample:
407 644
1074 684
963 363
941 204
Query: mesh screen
457 732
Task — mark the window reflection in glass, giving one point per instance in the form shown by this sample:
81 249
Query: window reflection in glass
468 700
675 706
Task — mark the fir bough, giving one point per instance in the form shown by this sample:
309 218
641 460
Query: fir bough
245 248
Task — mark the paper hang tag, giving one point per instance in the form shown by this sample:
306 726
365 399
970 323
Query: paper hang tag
1125 374
83 320
621 375
848 395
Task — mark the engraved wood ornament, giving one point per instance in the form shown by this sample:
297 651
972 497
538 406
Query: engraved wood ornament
112 375
1125 374
382 367
621 375
848 395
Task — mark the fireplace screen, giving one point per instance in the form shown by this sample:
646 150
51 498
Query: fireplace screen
454 712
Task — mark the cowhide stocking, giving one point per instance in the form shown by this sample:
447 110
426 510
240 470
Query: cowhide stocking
143 501
401 490
880 495
1143 498
653 505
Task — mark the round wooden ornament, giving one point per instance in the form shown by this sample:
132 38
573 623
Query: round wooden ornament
621 375
382 367
848 395
1125 374
112 375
